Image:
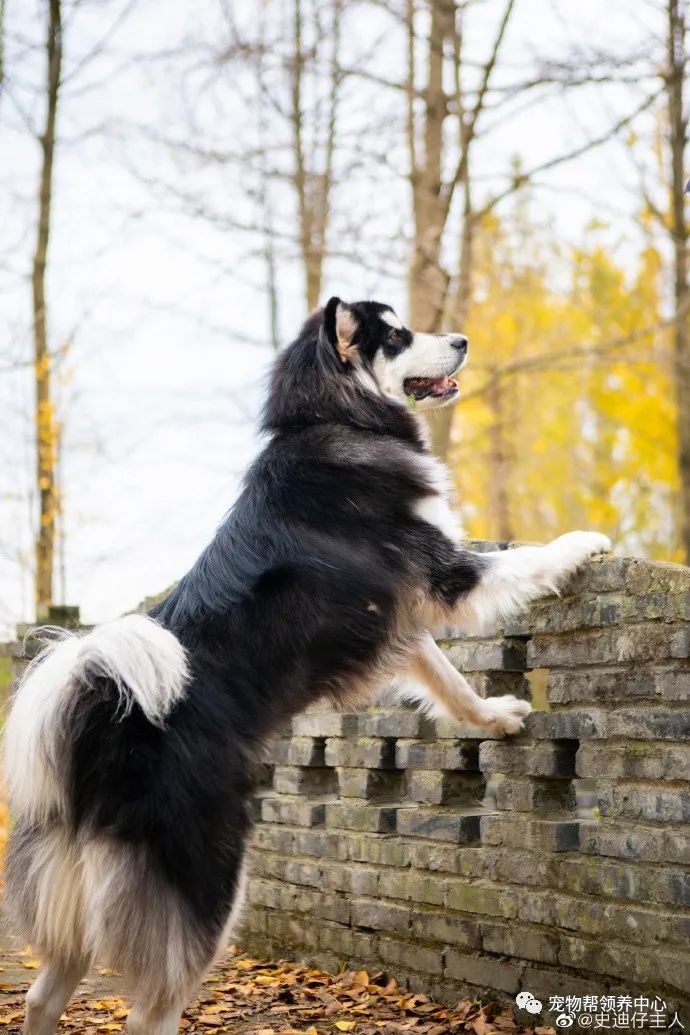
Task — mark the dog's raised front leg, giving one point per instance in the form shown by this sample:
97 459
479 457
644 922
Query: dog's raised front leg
449 691
510 579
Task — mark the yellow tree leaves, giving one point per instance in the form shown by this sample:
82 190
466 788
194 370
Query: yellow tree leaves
568 418
262 998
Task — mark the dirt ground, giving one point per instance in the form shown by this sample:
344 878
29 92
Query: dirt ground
250 997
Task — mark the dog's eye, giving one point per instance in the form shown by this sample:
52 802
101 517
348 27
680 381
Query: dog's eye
393 335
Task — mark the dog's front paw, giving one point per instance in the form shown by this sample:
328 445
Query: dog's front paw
571 550
505 714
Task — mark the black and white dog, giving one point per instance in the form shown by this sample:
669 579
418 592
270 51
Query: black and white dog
131 751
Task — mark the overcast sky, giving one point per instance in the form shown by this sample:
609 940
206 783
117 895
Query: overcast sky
167 315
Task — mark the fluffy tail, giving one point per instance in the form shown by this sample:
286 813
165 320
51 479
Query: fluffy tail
147 666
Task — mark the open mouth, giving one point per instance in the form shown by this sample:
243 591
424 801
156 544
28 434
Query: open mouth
424 387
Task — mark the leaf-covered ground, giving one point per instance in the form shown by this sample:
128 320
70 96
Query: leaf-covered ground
250 997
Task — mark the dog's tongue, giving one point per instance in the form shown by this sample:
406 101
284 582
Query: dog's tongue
421 387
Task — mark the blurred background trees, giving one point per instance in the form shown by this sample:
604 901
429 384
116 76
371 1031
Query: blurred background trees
182 188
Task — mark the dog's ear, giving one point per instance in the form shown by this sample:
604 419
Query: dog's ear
340 326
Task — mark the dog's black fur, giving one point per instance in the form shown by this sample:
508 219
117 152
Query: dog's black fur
133 750
295 597
302 593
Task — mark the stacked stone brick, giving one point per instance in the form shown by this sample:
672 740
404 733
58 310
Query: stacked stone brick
555 861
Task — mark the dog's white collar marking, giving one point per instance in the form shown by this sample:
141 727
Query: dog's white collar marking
392 319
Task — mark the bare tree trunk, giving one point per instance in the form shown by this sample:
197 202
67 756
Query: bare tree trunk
60 530
272 286
323 208
45 421
427 280
265 191
432 196
499 508
441 427
678 127
463 295
2 43
300 171
313 185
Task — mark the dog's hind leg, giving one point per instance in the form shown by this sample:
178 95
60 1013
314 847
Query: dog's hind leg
45 900
144 926
49 995
155 1021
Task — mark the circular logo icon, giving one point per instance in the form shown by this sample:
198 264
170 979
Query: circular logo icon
565 1020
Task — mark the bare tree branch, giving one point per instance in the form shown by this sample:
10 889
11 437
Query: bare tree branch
552 163
470 129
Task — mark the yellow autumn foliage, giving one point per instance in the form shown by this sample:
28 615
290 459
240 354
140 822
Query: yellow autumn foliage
568 416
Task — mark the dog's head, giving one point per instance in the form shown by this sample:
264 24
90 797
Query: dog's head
371 342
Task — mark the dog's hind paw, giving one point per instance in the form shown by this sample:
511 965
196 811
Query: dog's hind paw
505 714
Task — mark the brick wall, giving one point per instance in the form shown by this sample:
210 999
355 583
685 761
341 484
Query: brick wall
555 861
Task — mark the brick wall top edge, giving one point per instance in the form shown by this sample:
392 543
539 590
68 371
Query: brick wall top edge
636 575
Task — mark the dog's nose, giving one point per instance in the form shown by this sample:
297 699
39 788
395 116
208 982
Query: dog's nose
459 342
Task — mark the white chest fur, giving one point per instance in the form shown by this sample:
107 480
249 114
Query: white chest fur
435 508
